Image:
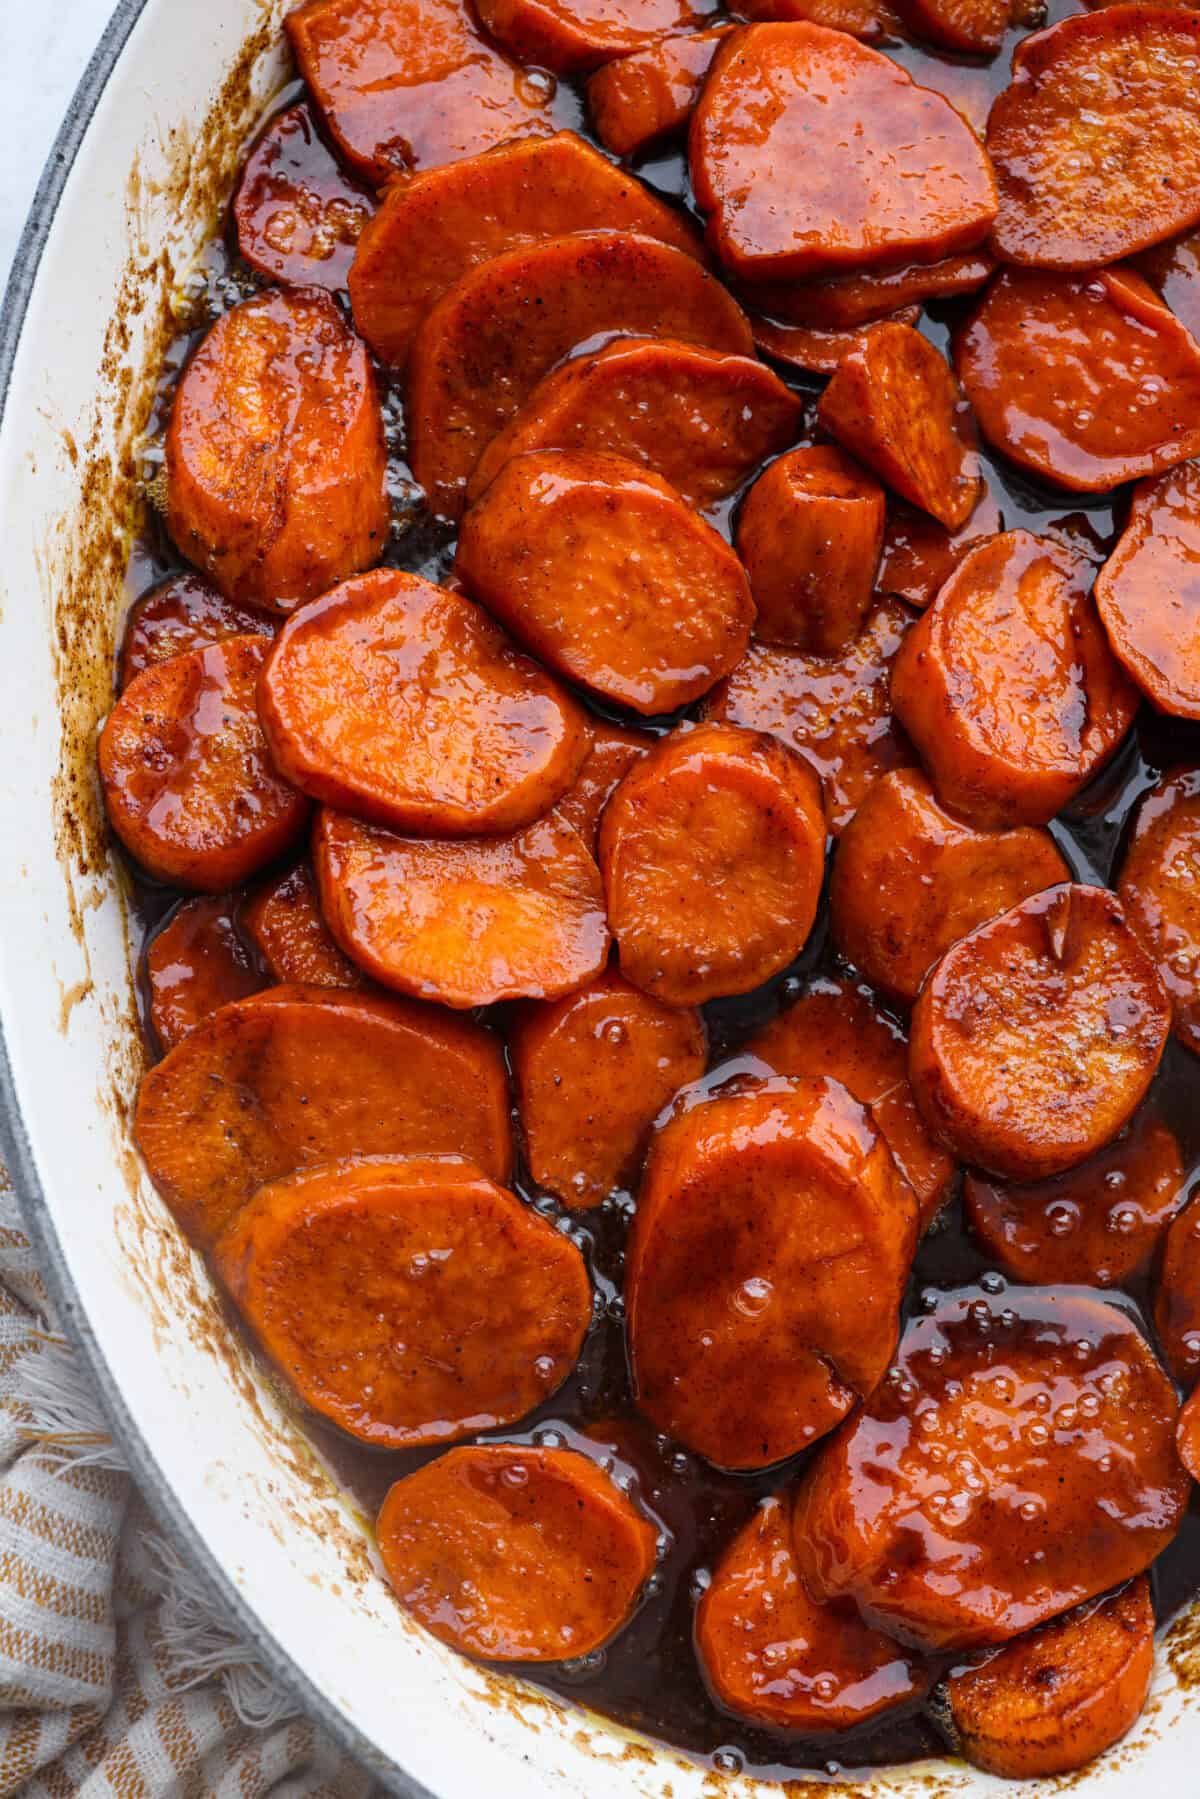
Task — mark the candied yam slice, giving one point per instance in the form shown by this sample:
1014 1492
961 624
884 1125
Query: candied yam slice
700 418
572 36
404 703
1007 685
188 780
1161 893
765 1266
600 568
194 962
834 710
276 462
1054 1700
1085 380
910 879
514 1553
636 100
1096 142
283 920
713 852
592 1073
614 751
302 1075
837 1029
810 533
973 26
483 348
867 19
1188 1435
409 1300
1148 592
900 175
810 348
1055 997
919 555
467 923
895 404
1177 1296
1019 1459
296 214
430 230
864 296
183 613
771 1654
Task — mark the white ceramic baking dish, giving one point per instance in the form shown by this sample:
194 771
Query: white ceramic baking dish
143 163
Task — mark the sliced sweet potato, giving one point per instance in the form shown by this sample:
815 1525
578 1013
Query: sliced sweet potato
515 1553
1188 1434
405 703
866 19
1148 592
974 26
1173 271
572 36
1177 1296
592 1072
1053 1701
765 1266
919 555
408 84
1096 142
713 852
613 753
302 1075
895 404
1007 685
599 567
188 780
468 923
810 533
812 349
836 711
490 339
837 1029
1085 380
865 296
636 100
276 462
195 962
700 418
1158 889
769 1653
284 922
183 613
910 879
410 1300
297 215
430 230
1035 1038
1018 1459
900 176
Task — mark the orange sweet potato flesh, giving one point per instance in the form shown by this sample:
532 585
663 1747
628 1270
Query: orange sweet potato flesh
572 36
409 1300
864 296
1097 1225
183 613
296 214
1053 1701
430 230
303 1075
1035 1038
467 923
1158 890
1019 1460
1188 1435
1007 685
1177 1296
770 1248
866 19
283 920
894 403
195 962
600 568
1096 142
713 853
1084 380
910 879
406 704
901 175
770 1654
919 555
489 340
636 100
592 1073
702 419
276 462
812 348
1148 592
188 781
514 1553
974 26
614 751
837 1029
810 533
405 85
835 711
